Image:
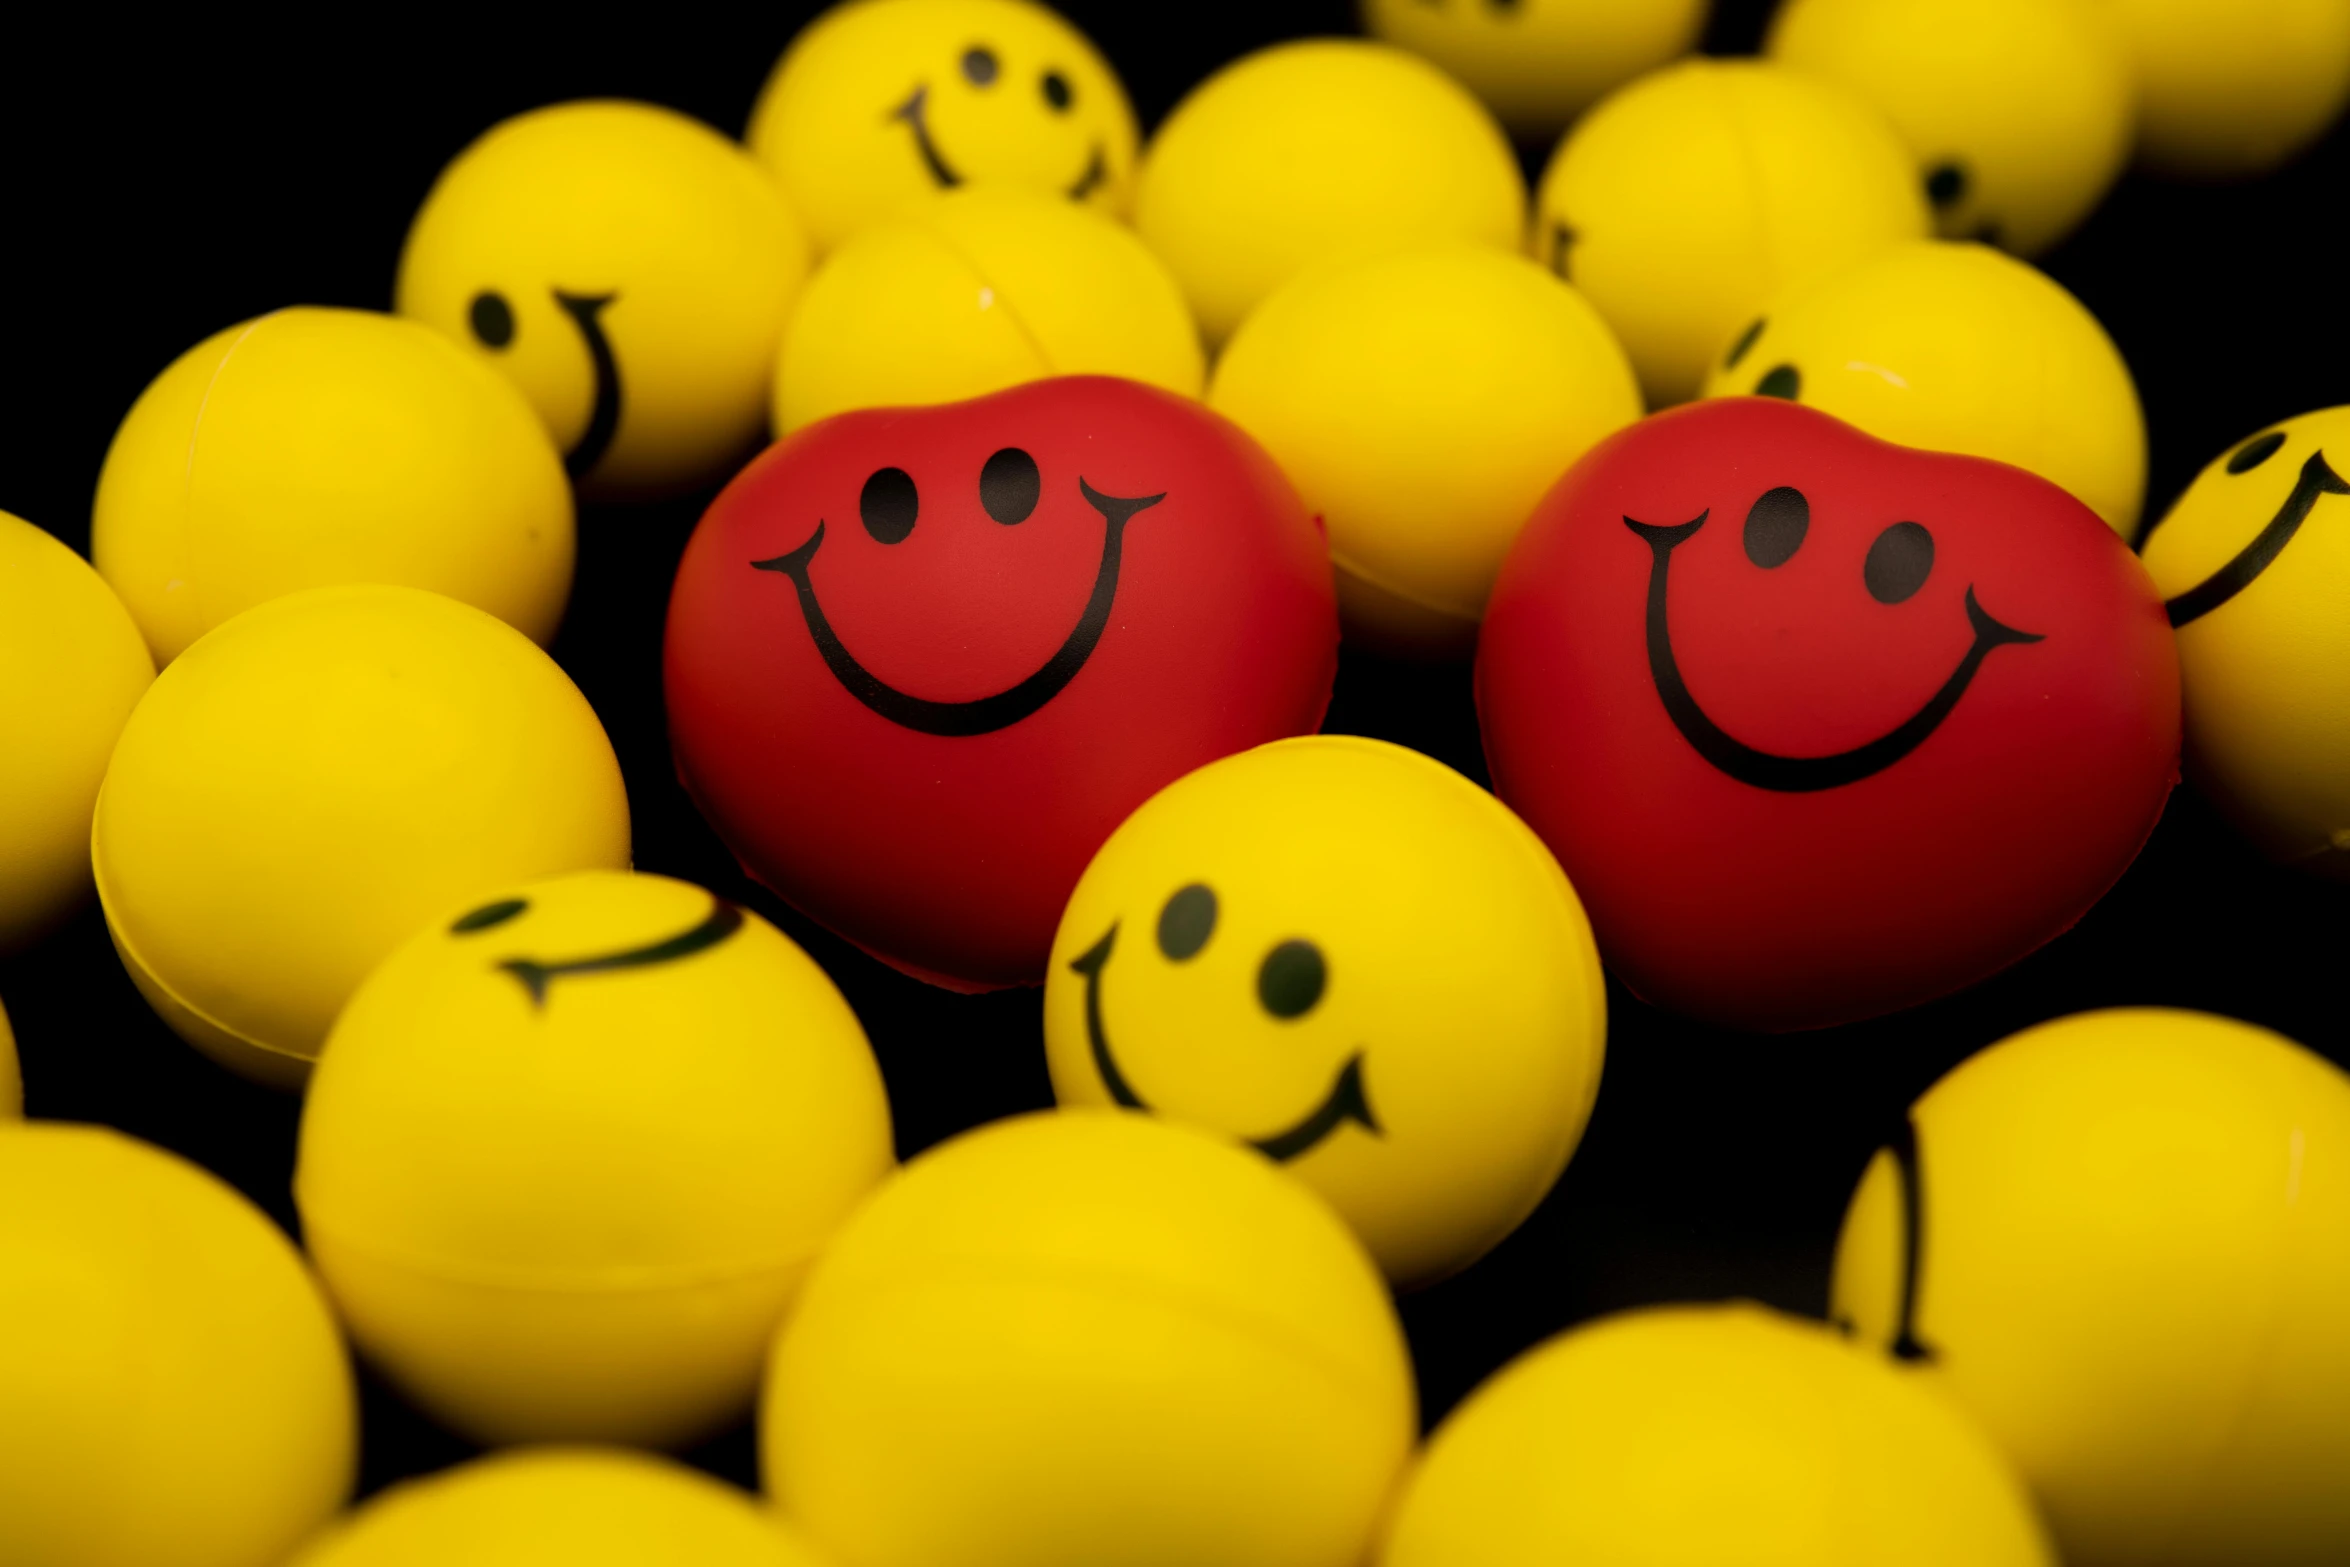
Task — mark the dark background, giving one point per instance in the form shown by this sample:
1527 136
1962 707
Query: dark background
168 177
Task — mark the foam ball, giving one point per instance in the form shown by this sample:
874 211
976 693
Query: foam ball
11 1081
1539 63
2223 94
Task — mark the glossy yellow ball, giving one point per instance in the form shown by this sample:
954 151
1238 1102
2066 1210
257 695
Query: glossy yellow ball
1687 199
880 102
1315 151
2121 1241
2229 93
630 270
172 1389
1690 1436
72 666
317 780
568 1152
11 1080
309 447
976 291
1957 348
1539 63
1081 1338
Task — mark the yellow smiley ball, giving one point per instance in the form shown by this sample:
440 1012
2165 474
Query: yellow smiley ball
316 780
72 665
568 1152
1957 347
2230 93
1691 1436
1687 199
2255 562
1080 1338
2121 1241
1357 962
1422 402
308 447
878 103
2019 111
630 270
1539 63
1314 151
172 1388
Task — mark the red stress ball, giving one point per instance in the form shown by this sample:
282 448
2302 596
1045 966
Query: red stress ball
1822 727
921 661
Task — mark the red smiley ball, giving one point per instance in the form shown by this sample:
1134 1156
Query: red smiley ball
921 661
1822 727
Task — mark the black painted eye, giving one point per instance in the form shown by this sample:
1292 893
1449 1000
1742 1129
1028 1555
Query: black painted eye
1290 979
1745 342
1946 184
1009 485
979 66
1058 92
2256 451
888 504
1780 381
1187 922
492 318
1899 562
1775 526
489 914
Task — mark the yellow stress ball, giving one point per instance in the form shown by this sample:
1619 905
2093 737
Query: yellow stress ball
561 1507
629 269
1422 402
1958 348
1081 1338
1539 63
2121 1241
1690 1436
11 1081
1312 151
2228 93
1688 198
309 447
568 1153
2257 597
879 102
1359 963
72 665
2019 111
172 1389
315 781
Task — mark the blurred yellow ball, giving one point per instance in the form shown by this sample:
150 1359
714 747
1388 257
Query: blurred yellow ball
2019 111
172 1389
1539 63
11 1080
1084 1338
630 270
2121 1241
880 102
1422 402
1958 348
568 1152
1314 151
2227 91
1687 199
72 666
308 447
1692 1436
314 782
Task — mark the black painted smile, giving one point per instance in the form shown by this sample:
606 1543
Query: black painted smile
1345 1102
723 921
1795 774
2317 478
982 715
604 417
914 111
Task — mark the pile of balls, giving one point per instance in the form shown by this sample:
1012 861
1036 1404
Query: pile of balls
1782 505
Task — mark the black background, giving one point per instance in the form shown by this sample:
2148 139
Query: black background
166 177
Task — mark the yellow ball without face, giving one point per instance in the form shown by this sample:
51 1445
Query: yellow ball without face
2121 1241
878 103
2019 111
1357 961
171 1385
1687 199
309 447
568 1153
1083 1338
1691 1436
317 780
977 291
1422 402
11 1082
1316 151
2227 93
72 665
1957 348
1539 63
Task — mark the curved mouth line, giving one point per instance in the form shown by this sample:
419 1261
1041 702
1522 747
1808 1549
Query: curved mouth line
1795 774
1345 1102
723 921
604 417
2317 478
981 715
914 111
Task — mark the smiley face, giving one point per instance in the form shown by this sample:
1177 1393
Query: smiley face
535 975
